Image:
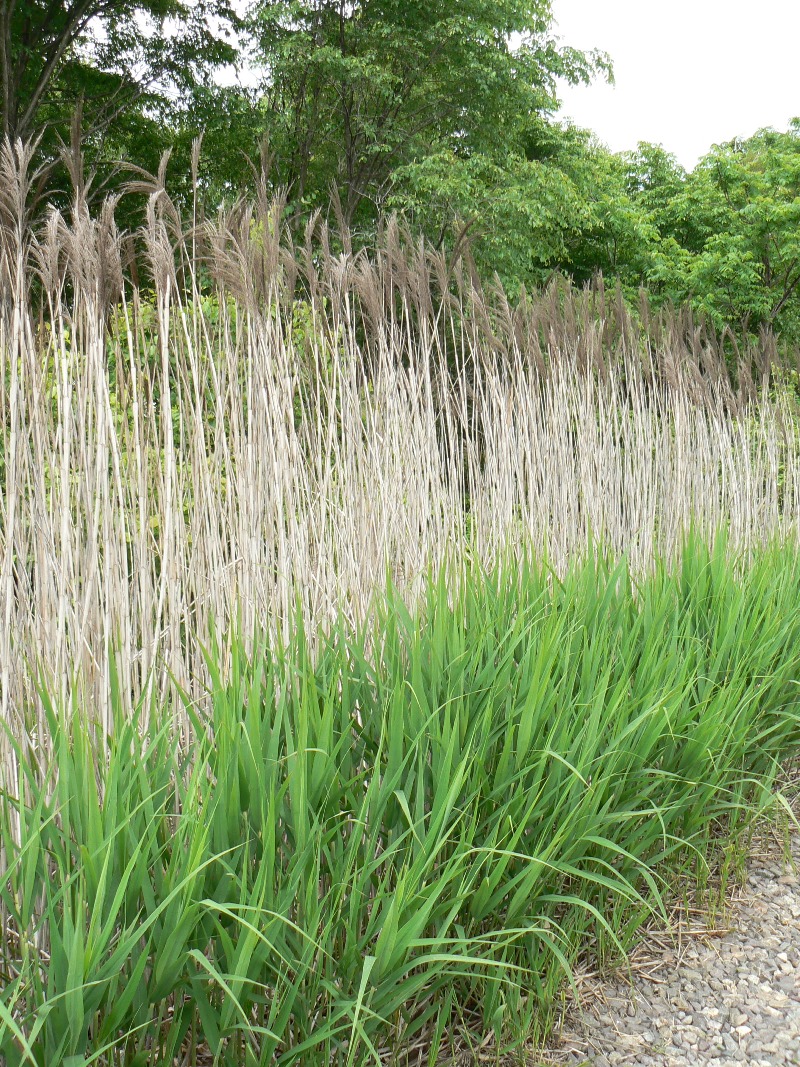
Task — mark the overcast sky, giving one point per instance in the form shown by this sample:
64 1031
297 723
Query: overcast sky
689 73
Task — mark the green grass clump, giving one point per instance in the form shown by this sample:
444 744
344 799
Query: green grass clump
422 824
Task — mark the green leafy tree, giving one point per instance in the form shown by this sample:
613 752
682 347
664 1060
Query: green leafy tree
746 198
729 232
617 235
558 203
656 182
131 66
358 93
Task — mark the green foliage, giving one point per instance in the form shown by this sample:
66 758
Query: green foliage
356 91
561 204
443 809
730 230
441 112
129 69
655 180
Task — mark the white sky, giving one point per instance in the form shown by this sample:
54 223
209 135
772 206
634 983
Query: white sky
689 73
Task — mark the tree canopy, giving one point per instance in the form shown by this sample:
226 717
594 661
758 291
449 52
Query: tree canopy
444 112
355 91
125 63
728 233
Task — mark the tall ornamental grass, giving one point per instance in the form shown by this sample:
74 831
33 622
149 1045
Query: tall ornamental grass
219 419
356 673
401 834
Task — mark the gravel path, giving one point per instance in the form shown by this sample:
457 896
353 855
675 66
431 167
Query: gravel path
716 999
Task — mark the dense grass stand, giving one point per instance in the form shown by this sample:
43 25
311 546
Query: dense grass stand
370 647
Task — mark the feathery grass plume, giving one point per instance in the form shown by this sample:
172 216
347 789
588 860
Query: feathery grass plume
249 803
250 425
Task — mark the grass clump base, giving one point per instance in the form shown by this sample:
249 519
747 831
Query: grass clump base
425 820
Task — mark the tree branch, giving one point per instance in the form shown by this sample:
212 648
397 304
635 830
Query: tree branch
76 19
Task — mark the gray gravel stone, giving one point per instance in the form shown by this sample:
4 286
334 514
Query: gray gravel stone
718 1002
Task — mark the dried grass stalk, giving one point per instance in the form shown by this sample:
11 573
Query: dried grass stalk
249 425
